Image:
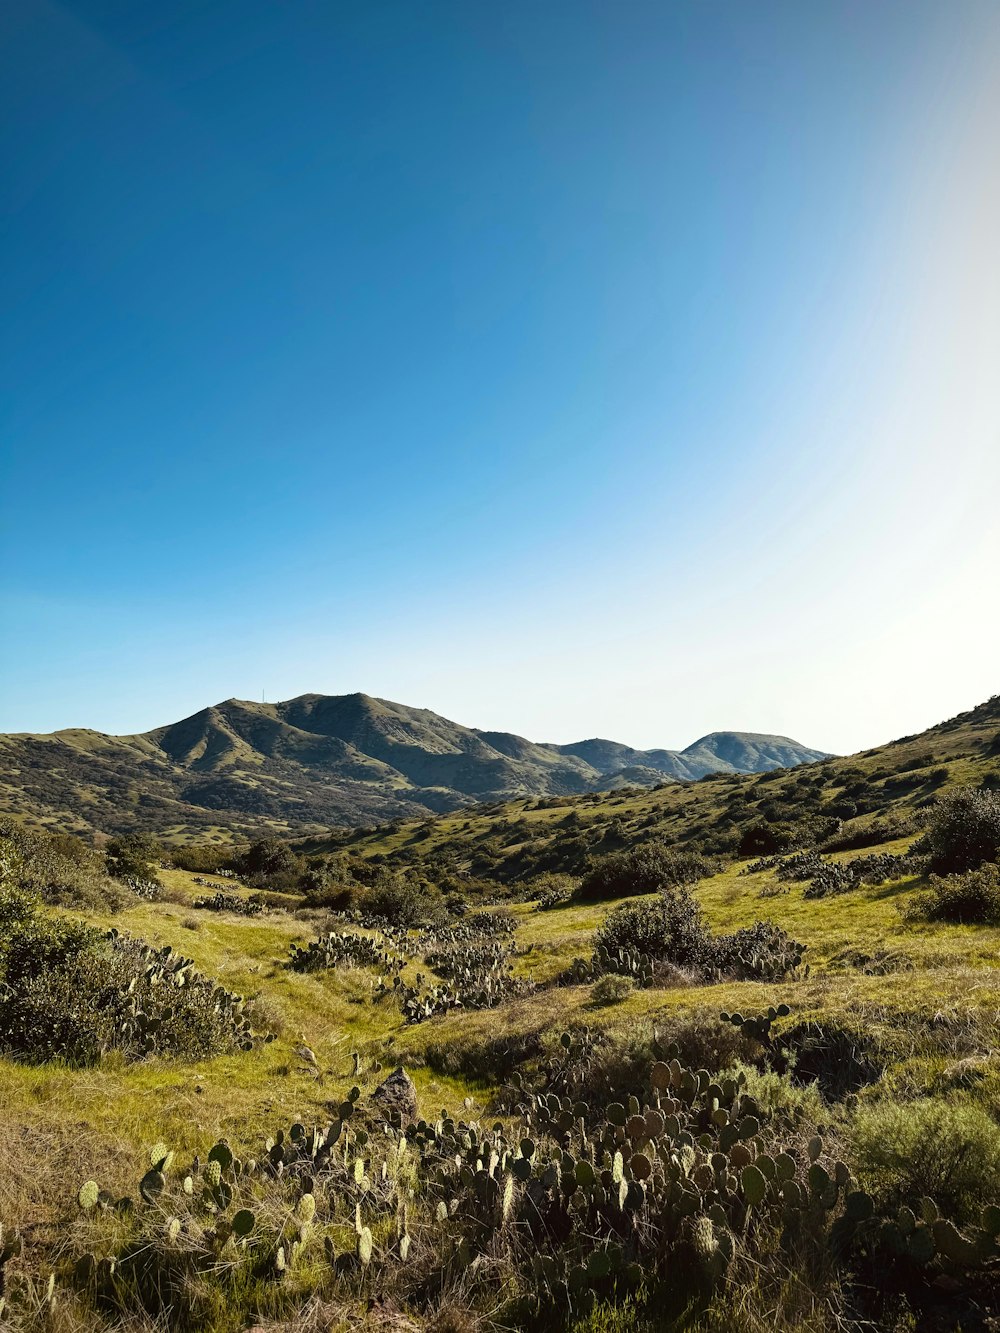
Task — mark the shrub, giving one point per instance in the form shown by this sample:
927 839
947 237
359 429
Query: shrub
356 884
610 989
964 830
764 838
671 928
320 890
269 863
550 899
643 869
132 858
944 1151
396 901
550 891
68 991
200 859
60 870
969 899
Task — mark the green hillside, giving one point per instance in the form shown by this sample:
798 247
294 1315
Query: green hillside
822 1168
320 761
859 797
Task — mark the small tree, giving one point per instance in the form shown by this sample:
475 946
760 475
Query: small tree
133 856
763 838
269 863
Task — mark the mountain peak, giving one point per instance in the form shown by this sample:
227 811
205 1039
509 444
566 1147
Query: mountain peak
318 760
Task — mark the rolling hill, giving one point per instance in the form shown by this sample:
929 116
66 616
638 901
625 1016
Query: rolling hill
318 761
892 1023
860 800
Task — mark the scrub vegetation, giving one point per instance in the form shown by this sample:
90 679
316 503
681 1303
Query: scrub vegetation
717 1056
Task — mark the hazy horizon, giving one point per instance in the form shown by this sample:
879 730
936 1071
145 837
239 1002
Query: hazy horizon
568 370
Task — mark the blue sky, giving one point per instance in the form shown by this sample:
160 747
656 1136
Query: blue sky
622 369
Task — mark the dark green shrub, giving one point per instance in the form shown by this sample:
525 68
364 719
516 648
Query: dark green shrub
133 857
200 859
70 992
59 869
396 901
764 838
969 899
269 863
329 883
670 928
964 830
643 869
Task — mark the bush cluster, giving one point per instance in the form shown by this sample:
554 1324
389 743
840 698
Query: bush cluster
969 899
964 830
672 929
765 837
132 859
356 884
71 992
59 869
643 869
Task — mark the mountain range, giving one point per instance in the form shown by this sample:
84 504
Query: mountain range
320 760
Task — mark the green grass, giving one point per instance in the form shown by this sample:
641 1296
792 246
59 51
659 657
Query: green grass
62 1126
333 1012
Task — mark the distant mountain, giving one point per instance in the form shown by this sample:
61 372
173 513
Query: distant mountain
321 760
880 797
718 752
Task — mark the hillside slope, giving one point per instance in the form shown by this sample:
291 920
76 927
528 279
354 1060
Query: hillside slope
892 1024
862 797
318 761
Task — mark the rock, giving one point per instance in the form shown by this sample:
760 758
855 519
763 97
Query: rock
396 1095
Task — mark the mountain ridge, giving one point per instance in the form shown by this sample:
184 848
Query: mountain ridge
239 767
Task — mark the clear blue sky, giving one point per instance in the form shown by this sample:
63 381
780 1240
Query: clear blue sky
574 368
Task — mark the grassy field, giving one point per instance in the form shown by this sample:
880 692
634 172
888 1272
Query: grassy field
917 1002
953 967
